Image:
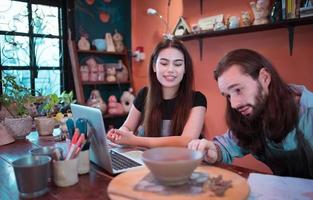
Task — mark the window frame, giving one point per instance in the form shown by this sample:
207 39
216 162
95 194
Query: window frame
32 67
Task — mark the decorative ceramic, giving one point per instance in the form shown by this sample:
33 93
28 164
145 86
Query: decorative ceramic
84 72
100 44
114 107
110 44
121 72
95 100
218 26
233 22
83 43
110 74
104 17
90 2
127 100
245 18
101 72
118 42
93 69
260 11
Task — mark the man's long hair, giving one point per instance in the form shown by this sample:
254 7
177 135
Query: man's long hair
153 113
280 113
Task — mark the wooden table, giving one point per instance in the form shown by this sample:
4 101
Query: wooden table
90 186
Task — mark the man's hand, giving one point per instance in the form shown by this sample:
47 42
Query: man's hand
208 149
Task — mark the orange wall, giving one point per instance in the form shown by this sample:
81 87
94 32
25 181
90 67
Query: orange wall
147 31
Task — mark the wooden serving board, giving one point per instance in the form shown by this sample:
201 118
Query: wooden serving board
121 187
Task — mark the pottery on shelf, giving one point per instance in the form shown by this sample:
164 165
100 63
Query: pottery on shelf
83 43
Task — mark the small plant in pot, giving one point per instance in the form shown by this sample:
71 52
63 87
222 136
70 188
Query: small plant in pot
66 99
45 124
17 100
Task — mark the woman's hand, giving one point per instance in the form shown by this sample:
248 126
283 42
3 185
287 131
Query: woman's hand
121 137
208 148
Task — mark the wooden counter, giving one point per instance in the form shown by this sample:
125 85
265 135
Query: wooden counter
90 186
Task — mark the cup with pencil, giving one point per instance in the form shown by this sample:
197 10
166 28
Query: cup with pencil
81 127
76 160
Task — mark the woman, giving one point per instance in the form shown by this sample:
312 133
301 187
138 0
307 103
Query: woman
171 112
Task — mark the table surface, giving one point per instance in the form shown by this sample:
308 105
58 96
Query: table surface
90 186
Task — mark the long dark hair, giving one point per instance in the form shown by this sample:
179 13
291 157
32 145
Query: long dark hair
153 112
280 113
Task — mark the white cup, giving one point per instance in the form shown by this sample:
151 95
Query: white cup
65 172
83 162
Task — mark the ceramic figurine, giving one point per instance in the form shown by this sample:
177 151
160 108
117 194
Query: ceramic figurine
84 72
93 69
245 18
260 11
110 44
110 74
101 72
218 26
233 22
114 108
95 100
83 43
127 100
118 42
121 72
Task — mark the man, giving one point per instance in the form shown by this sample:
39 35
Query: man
266 117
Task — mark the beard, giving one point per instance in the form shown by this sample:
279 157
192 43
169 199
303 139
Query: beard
258 108
249 129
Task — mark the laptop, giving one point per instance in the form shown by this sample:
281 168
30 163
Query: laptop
100 152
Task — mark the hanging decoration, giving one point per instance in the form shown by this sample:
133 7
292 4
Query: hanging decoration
90 2
104 16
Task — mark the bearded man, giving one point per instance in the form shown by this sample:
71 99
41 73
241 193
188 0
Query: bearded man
266 117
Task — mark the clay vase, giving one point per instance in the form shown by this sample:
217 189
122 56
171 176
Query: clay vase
83 44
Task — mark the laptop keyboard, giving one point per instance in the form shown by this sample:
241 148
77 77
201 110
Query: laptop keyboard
121 162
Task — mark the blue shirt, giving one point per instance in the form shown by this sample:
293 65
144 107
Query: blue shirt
228 142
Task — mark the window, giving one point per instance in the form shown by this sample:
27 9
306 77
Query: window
31 43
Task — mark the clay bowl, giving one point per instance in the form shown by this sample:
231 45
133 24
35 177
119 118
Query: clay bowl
171 165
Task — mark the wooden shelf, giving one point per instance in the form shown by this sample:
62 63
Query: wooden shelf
289 24
93 51
78 83
104 83
248 29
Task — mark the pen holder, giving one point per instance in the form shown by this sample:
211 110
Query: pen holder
83 162
65 172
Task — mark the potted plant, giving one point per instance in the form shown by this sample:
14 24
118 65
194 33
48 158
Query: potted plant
45 124
18 102
65 100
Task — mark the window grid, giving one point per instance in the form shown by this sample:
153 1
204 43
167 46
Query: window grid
33 67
